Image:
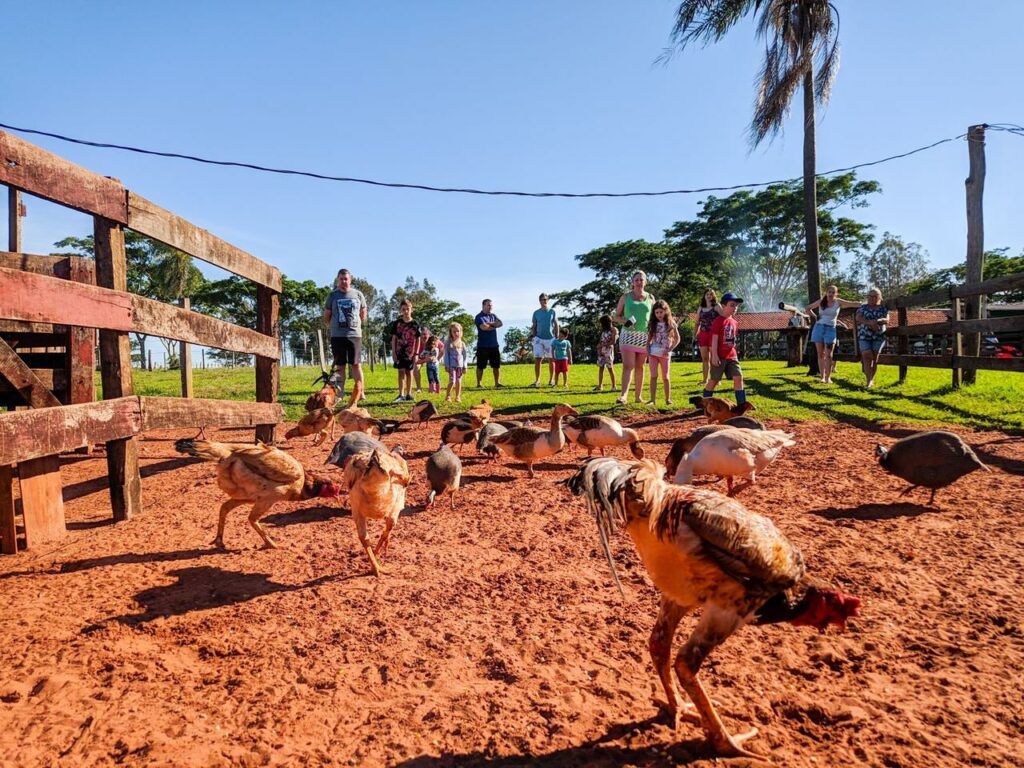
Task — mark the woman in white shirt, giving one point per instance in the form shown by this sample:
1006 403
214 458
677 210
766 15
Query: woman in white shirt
824 333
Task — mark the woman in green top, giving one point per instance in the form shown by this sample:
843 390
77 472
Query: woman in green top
633 313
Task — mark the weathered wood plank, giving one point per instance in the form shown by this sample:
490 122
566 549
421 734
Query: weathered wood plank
81 343
994 285
54 380
54 266
13 219
116 370
31 434
940 296
267 372
29 297
8 528
42 500
32 169
177 412
185 356
984 325
21 326
24 380
150 219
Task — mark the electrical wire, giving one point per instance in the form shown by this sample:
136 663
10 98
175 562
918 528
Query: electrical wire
1009 127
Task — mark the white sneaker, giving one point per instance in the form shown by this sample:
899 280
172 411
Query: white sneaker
399 399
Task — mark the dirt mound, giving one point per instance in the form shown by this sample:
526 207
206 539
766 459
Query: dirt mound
499 639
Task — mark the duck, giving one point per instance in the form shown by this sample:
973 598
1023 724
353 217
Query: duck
423 412
458 433
933 459
733 453
444 473
530 444
483 442
685 445
601 432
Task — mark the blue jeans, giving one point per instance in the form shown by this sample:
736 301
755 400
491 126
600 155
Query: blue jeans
871 345
432 377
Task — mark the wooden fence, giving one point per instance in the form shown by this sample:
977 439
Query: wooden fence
35 298
961 333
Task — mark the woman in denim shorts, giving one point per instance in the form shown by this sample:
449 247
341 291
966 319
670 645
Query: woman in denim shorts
872 320
824 332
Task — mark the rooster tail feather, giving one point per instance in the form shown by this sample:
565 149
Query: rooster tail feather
203 449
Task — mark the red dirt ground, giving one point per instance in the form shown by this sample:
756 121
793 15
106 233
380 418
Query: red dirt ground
499 639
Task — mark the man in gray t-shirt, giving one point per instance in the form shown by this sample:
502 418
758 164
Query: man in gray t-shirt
345 311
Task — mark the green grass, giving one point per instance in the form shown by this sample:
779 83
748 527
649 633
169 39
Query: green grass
995 402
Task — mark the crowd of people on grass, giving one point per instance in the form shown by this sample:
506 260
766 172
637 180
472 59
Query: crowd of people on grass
646 336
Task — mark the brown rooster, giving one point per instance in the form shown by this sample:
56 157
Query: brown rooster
313 423
704 550
258 474
326 396
377 481
718 410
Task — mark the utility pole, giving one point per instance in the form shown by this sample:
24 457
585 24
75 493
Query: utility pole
975 188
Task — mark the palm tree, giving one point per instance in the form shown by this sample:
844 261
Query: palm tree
802 49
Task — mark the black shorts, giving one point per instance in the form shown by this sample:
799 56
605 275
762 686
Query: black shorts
488 356
403 363
347 350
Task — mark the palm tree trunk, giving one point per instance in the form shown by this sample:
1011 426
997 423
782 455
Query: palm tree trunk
811 192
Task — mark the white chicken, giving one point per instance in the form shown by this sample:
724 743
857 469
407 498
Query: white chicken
733 453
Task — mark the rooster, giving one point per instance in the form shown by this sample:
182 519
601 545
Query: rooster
377 481
258 474
704 550
313 423
718 410
326 396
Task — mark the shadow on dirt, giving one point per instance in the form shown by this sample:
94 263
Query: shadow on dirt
874 512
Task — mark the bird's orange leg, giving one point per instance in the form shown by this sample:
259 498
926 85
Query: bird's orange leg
660 646
259 509
382 543
364 540
226 507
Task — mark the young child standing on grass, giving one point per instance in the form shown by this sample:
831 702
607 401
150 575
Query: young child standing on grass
455 362
421 358
428 358
662 338
405 346
562 349
606 352
724 359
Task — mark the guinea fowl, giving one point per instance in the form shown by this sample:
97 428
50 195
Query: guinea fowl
601 432
423 412
933 459
718 410
259 474
743 422
483 442
459 433
733 453
349 445
530 444
377 481
444 473
704 550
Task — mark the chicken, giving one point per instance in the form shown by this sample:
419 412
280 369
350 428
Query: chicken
481 412
423 412
350 444
459 433
483 442
352 418
933 459
258 474
376 481
718 410
704 550
444 473
326 396
530 444
733 453
313 423
601 432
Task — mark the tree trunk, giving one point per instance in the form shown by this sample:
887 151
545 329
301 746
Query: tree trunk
811 192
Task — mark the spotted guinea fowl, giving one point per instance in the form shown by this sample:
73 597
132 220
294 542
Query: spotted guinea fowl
459 433
933 459
444 473
530 444
733 453
704 550
743 422
601 432
483 442
423 412
349 445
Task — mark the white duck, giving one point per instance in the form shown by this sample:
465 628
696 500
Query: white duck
601 432
530 444
733 453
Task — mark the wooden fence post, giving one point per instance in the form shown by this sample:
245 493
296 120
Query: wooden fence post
975 188
958 343
185 356
13 220
903 341
116 371
267 369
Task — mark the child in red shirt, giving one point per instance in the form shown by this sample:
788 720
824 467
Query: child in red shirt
724 360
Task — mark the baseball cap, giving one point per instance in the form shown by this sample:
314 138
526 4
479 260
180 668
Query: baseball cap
731 297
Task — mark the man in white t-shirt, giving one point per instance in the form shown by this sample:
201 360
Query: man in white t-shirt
544 330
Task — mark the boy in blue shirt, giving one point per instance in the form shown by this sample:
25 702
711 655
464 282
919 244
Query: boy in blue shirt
562 349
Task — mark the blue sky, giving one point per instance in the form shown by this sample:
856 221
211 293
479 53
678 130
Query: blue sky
528 95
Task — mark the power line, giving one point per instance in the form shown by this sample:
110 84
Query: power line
471 191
